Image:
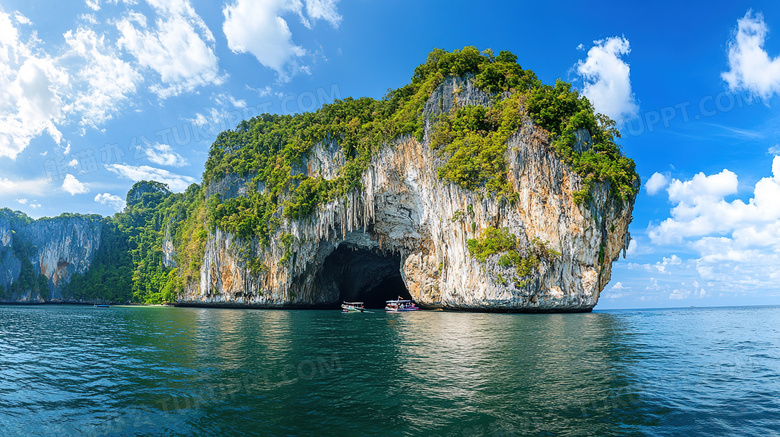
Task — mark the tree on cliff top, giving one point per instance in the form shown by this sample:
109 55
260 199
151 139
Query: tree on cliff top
147 192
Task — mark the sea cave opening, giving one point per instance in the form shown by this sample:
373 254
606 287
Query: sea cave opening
363 275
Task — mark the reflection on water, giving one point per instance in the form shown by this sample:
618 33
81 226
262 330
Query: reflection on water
192 371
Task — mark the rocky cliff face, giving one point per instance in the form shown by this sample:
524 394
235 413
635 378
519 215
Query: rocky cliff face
10 265
407 231
58 248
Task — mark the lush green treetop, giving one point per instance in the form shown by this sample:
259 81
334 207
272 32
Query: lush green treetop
147 192
15 218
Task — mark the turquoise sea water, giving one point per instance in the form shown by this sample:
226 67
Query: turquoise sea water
68 370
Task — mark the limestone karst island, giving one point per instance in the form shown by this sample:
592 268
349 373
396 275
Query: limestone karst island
317 218
474 187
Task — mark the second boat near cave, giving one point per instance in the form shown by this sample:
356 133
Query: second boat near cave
400 305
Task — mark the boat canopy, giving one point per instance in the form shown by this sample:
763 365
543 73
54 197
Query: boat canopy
398 301
353 303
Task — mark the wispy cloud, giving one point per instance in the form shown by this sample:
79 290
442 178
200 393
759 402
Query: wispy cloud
109 199
106 82
163 154
738 133
14 188
176 182
178 46
32 85
93 76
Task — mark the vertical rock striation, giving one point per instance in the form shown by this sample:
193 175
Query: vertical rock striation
58 248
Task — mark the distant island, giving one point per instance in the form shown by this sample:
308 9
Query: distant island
474 187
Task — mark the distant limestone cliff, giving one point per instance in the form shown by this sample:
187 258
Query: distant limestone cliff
475 187
38 258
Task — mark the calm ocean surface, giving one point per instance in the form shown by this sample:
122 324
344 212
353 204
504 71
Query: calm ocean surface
68 370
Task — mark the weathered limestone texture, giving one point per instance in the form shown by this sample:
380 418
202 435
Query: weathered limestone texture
408 222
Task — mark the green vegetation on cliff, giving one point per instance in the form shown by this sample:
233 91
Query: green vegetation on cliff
471 139
153 213
494 241
15 218
129 266
474 138
562 113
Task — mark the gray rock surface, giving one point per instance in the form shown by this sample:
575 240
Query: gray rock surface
63 246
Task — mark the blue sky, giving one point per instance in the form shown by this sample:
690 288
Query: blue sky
96 95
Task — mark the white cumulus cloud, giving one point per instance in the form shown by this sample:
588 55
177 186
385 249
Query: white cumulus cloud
257 27
95 73
700 207
607 79
109 199
31 203
750 66
656 183
73 185
736 241
176 182
674 260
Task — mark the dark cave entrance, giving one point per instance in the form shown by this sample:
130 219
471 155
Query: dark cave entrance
362 275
